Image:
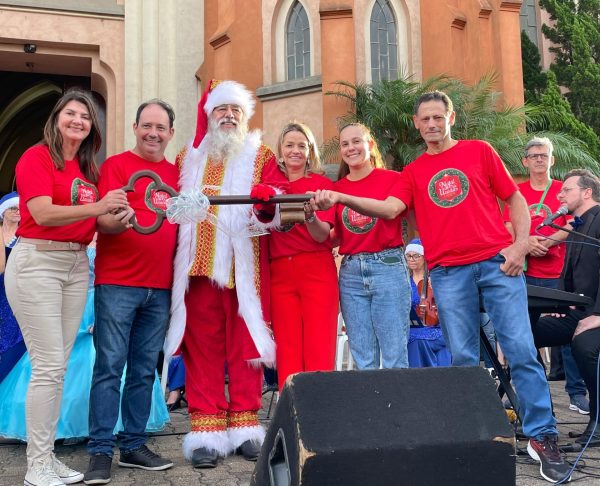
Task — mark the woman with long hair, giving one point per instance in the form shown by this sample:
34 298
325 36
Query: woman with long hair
304 291
375 291
47 273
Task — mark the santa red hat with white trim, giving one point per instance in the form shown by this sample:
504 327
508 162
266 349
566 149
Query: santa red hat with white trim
221 93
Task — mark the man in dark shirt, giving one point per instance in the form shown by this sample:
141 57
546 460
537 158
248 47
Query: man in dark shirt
581 274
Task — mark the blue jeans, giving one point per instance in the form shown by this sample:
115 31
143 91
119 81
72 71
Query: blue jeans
457 293
375 301
574 384
130 328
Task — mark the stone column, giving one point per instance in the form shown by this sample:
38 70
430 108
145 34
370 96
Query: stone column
163 47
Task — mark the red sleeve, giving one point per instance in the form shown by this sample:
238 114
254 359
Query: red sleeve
110 178
403 188
502 183
35 173
272 175
328 216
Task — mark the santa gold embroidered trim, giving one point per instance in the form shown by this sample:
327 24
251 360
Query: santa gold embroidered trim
208 423
214 174
242 419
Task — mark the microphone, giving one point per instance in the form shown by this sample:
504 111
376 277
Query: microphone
557 214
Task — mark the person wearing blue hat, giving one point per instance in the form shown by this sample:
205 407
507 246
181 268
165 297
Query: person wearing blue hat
12 346
426 345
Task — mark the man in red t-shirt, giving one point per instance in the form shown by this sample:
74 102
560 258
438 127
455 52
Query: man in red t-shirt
546 250
454 189
134 274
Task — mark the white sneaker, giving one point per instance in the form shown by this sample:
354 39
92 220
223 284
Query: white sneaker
41 474
65 473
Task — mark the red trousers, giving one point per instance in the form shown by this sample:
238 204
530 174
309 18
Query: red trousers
304 310
215 334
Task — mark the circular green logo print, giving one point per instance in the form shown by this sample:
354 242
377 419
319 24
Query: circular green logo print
357 223
156 200
83 192
448 188
544 212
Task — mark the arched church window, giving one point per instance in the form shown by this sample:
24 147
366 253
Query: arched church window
297 43
384 42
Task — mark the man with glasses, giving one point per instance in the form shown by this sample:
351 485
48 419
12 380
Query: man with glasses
581 274
546 253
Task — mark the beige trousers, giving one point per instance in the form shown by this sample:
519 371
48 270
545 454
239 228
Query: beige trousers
47 291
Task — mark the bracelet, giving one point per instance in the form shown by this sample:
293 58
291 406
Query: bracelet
311 219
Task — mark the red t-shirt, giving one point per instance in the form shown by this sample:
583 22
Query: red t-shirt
38 176
454 195
359 233
130 258
295 238
550 265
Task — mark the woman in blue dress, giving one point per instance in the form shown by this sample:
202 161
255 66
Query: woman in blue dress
426 345
12 346
73 420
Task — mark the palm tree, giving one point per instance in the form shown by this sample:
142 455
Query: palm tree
387 109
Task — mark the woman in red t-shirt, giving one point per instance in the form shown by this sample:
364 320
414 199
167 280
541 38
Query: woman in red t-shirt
304 291
375 293
47 272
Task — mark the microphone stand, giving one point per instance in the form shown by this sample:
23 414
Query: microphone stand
560 228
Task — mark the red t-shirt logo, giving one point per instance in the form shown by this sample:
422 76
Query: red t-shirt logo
448 188
159 199
156 201
356 222
544 211
83 192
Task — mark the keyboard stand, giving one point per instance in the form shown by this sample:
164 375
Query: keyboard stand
505 387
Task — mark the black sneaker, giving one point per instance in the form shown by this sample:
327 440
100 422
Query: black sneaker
99 470
553 467
144 458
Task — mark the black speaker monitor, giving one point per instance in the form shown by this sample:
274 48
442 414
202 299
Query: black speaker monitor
426 427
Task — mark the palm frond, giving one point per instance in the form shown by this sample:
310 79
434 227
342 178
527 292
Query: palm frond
387 109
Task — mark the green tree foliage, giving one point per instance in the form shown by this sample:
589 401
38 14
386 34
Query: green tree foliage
534 79
556 116
576 35
387 109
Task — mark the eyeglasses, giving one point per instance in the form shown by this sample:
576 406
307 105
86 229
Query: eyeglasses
564 190
14 208
413 256
537 156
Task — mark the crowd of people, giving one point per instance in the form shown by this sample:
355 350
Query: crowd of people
241 289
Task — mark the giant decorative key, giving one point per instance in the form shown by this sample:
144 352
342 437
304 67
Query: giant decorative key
192 206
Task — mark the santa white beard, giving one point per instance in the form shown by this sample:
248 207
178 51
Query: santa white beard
225 144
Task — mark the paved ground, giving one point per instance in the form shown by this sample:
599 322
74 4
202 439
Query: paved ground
235 471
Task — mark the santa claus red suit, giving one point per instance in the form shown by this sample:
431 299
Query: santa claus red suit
220 291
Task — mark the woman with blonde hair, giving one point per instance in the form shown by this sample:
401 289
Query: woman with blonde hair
375 293
304 291
47 273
